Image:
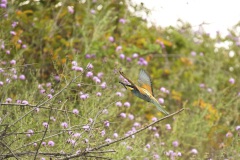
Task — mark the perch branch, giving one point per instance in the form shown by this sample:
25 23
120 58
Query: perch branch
120 139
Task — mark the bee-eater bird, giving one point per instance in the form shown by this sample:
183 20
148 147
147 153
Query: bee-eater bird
144 90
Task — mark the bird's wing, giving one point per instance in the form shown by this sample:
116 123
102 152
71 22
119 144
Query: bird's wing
132 84
145 81
159 107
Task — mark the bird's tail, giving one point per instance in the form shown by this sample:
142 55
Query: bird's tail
159 107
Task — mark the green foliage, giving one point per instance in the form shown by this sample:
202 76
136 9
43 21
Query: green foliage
60 68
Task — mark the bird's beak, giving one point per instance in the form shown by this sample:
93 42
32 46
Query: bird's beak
124 85
129 87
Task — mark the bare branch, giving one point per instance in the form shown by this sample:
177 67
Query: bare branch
32 105
120 139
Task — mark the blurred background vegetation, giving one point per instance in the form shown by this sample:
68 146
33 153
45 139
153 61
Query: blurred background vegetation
45 44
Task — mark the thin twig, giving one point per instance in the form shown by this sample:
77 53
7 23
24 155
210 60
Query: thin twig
138 131
4 156
44 134
100 157
120 139
32 105
13 154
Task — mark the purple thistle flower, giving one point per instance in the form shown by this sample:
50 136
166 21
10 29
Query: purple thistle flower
45 124
122 56
229 135
119 104
115 135
90 66
154 119
136 124
127 104
48 85
8 80
86 140
52 118
194 151
123 115
175 143
1 70
76 135
108 140
75 111
19 101
57 78
106 123
161 100
156 156
232 80
88 56
44 143
156 135
129 59
2 5
89 74
118 48
193 53
104 111
8 100
84 96
90 120
36 109
86 127
162 89
122 20
42 91
104 85
2 46
13 33
64 124
14 24
130 116
162 45
99 94
29 133
70 9
129 148
8 52
13 62
74 63
19 41
142 62
168 126
119 94
22 77
51 143
100 74
93 11
209 90
24 46
201 85
148 146
96 79
14 76
25 102
135 55
111 39
1 83
49 96
238 128
179 154
103 133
